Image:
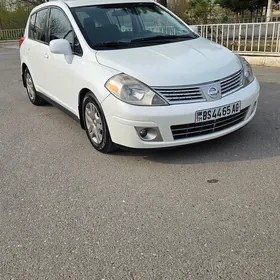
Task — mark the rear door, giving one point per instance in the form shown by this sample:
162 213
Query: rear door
36 47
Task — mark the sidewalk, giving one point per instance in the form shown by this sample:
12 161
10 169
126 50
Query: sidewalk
9 41
9 44
269 61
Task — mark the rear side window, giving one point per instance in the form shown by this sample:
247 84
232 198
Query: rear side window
40 26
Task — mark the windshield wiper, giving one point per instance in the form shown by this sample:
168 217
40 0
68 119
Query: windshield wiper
158 38
162 38
111 44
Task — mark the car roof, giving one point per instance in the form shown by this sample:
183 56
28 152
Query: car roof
78 3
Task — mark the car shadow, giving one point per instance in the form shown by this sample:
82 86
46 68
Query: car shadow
47 104
259 139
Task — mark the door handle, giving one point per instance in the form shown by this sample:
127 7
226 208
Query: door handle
46 56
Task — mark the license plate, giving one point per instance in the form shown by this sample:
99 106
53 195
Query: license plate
217 113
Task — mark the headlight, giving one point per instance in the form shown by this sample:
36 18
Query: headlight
248 75
133 91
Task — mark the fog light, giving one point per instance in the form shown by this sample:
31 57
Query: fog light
143 132
149 134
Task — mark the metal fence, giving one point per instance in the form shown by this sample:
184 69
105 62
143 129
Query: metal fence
262 38
251 19
228 20
245 37
11 34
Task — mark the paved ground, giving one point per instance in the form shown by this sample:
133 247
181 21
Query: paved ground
207 211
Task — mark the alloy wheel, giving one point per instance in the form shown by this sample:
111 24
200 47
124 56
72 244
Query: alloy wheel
94 123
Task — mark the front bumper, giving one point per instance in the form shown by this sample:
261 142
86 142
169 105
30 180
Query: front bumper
122 118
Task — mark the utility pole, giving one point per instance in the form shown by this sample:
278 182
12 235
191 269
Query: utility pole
269 11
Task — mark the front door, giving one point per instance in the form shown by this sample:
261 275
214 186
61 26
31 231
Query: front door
60 75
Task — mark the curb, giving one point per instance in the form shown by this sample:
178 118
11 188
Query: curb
8 41
269 61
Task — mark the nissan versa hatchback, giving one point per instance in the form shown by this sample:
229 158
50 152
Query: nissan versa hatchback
133 74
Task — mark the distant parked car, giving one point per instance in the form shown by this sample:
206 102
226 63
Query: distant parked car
133 74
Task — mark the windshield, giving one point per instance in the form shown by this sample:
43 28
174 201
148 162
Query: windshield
129 25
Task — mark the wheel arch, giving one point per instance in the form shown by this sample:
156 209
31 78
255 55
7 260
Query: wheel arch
82 95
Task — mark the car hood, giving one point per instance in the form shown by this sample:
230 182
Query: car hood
180 63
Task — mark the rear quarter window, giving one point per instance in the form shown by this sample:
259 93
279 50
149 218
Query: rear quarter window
31 33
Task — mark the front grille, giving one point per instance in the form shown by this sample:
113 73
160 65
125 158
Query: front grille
232 83
203 128
194 93
181 94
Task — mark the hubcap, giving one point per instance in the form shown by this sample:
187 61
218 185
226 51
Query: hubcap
94 123
30 87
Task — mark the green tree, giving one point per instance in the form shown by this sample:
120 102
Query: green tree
29 2
13 18
199 11
240 6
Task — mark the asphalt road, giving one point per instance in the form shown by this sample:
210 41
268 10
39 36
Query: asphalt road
206 211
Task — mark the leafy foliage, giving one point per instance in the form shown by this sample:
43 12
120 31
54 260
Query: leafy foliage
242 5
13 19
29 2
199 11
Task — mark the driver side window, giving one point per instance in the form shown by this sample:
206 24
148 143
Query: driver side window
60 28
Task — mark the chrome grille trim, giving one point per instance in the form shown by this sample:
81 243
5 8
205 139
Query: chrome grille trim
199 129
232 83
178 95
194 93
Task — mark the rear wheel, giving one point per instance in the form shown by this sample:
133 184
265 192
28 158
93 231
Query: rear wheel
95 125
31 90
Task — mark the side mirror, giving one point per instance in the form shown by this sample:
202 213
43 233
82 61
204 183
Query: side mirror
194 29
62 46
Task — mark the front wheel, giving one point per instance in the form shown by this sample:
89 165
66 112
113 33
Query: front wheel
95 125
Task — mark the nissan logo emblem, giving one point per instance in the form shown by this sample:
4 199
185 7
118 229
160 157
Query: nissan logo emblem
213 92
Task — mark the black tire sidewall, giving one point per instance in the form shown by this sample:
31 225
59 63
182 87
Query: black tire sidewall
104 146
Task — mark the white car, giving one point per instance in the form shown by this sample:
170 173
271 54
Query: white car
133 74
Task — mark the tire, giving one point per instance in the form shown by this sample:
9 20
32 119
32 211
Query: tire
34 98
95 125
